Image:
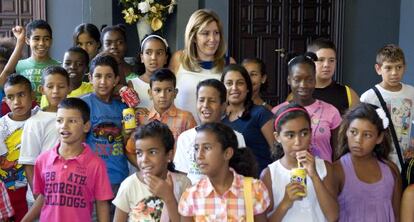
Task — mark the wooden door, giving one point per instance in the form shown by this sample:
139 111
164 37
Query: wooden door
19 12
268 29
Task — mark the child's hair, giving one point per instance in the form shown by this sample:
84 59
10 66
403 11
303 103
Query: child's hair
116 28
52 70
308 58
77 104
367 112
243 160
321 43
287 113
161 75
151 37
6 48
104 60
38 24
81 51
15 79
248 102
198 20
262 65
88 28
158 130
390 53
216 84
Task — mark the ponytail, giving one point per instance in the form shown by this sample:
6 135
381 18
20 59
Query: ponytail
244 162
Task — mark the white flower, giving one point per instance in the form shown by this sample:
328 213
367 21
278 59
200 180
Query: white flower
381 114
170 9
144 7
150 1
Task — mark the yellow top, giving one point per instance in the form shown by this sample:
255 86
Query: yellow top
83 89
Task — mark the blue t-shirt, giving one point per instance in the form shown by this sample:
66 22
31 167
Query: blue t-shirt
250 127
105 137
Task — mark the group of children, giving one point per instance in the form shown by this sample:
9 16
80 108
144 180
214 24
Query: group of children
70 154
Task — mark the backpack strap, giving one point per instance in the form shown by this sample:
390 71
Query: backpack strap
348 95
248 200
392 129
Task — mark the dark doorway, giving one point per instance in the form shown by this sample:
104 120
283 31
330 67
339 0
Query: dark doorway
268 29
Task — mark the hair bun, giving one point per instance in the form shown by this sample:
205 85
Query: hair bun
311 56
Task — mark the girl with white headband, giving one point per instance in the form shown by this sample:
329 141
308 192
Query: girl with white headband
154 55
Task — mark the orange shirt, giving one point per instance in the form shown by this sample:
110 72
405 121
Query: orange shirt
177 120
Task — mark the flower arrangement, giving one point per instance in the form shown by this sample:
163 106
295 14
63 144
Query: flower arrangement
154 12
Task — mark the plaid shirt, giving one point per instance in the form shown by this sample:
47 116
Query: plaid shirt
177 120
6 209
203 203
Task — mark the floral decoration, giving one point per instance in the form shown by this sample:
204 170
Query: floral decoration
155 12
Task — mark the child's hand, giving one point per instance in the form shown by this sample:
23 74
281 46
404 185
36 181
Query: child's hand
19 33
141 111
307 160
291 193
159 187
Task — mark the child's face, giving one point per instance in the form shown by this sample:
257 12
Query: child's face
154 55
86 42
162 94
236 87
39 42
210 156
209 106
75 65
294 136
55 88
19 99
256 75
362 137
114 43
152 157
302 82
391 73
104 80
70 125
207 41
326 64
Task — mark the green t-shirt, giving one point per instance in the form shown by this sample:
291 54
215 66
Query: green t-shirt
32 70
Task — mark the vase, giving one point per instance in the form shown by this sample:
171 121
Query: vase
143 28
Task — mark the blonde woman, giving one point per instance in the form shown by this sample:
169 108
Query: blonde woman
203 56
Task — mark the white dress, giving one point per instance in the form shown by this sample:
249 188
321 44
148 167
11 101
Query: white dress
307 209
187 85
142 88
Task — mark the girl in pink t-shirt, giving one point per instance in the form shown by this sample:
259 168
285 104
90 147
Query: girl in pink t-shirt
325 118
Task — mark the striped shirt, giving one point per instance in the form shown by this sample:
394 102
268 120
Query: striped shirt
203 203
6 209
176 119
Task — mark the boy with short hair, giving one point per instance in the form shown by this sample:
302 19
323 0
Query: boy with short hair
105 137
211 105
69 178
39 133
162 92
390 65
75 61
326 89
19 96
39 38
